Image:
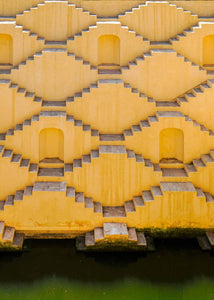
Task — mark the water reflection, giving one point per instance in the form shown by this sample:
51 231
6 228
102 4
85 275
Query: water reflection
174 262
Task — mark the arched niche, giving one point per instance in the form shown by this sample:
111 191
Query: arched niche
108 50
6 49
172 144
208 50
51 144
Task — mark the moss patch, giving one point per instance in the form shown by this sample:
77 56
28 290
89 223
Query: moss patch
173 232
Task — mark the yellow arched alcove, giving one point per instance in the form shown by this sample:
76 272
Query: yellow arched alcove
6 49
51 144
109 50
172 144
208 50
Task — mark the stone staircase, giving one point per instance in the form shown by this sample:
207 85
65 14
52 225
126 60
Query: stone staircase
143 6
51 186
135 129
188 96
148 55
17 159
20 128
197 164
186 32
39 5
113 236
30 59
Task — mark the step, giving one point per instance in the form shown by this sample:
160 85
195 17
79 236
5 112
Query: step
209 198
51 172
28 191
98 207
115 229
54 162
190 168
177 187
89 202
129 206
141 240
210 237
171 172
170 163
147 196
49 186
8 234
19 195
109 72
89 239
204 243
114 212
156 191
53 103
9 201
2 204
167 104
18 240
112 137
2 226
98 234
169 114
55 43
200 193
198 163
132 234
138 201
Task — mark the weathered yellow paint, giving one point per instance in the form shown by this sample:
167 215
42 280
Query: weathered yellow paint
112 108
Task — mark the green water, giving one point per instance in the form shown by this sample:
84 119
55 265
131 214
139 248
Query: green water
53 270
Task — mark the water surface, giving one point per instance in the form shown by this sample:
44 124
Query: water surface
52 269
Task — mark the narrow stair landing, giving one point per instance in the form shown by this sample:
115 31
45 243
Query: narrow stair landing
10 240
112 237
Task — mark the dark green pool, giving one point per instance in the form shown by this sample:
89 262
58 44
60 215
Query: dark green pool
53 270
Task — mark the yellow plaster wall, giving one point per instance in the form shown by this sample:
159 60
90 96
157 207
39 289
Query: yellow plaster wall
158 21
56 81
119 177
192 45
111 107
46 74
86 45
65 21
23 43
77 141
172 209
147 141
163 75
51 211
13 177
17 108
